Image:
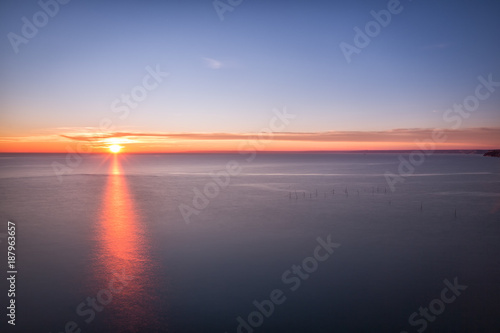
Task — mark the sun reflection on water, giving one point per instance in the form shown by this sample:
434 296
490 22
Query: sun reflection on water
122 255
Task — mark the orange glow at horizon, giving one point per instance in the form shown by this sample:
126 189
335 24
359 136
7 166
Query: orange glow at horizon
210 146
404 139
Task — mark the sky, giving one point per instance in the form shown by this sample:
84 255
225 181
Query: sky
176 76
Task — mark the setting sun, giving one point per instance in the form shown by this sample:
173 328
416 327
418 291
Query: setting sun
115 148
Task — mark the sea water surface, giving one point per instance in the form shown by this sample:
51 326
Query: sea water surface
202 242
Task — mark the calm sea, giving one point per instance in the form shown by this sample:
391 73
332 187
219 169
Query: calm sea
281 243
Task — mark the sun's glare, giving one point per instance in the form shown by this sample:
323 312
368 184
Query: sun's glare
115 148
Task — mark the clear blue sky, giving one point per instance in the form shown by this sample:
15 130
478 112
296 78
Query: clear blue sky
227 76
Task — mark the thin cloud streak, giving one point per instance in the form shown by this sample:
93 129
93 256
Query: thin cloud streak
468 135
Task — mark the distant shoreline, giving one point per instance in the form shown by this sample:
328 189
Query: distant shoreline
492 153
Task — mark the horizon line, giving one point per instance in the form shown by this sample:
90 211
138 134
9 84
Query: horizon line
471 151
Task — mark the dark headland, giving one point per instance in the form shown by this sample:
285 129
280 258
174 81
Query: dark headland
492 153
